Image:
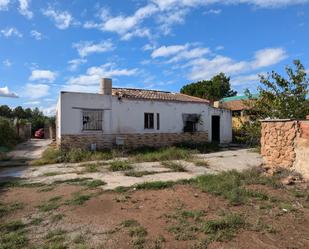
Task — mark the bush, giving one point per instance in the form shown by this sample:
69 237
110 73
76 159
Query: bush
120 166
163 154
249 133
8 136
49 156
225 228
231 185
200 147
53 155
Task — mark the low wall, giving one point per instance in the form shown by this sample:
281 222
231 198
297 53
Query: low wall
285 143
107 141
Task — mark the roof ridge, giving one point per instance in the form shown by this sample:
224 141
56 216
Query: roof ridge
140 89
194 97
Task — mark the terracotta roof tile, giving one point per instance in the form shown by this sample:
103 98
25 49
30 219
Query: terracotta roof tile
155 95
235 105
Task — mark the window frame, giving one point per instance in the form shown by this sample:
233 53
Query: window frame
158 121
148 121
98 123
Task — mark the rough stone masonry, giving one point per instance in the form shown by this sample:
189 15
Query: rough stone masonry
285 144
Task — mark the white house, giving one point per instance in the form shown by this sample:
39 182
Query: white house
136 117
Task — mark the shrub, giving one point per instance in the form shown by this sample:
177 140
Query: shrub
50 156
200 147
155 185
133 173
230 185
225 228
174 166
163 154
120 166
54 155
8 136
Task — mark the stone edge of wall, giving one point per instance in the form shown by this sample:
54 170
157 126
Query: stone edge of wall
108 141
285 144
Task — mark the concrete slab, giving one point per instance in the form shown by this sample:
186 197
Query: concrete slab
220 161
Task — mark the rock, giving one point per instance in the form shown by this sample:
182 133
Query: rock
290 180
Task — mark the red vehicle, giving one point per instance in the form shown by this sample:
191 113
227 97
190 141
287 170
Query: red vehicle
39 133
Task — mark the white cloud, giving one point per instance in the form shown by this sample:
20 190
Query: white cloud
24 8
5 92
94 74
165 51
125 26
31 103
167 13
220 47
170 18
4 4
74 64
62 19
49 111
205 68
43 75
268 57
244 79
213 12
190 54
180 52
85 48
9 32
7 63
36 35
35 91
148 47
169 4
204 64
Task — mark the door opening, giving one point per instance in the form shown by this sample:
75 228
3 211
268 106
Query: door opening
215 128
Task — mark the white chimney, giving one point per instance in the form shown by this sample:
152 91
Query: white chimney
106 86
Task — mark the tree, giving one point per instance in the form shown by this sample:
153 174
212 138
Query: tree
215 89
5 111
19 112
283 98
279 98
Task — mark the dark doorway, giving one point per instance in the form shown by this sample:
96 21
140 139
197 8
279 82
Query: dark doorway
215 128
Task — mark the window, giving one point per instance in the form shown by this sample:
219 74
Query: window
158 121
92 120
190 122
148 121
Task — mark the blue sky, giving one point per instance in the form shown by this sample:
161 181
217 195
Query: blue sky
49 46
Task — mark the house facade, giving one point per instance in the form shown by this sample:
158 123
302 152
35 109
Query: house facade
238 105
135 118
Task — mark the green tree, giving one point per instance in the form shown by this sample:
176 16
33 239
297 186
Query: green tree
214 89
28 113
281 97
19 112
5 111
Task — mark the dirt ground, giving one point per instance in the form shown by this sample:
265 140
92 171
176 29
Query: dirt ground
156 218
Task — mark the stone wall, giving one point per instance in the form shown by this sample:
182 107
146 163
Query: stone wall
285 143
107 141
302 150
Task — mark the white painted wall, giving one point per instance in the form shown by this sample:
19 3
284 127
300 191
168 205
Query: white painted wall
58 119
127 116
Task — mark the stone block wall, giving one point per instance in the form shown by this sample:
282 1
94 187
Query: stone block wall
302 150
285 143
108 141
